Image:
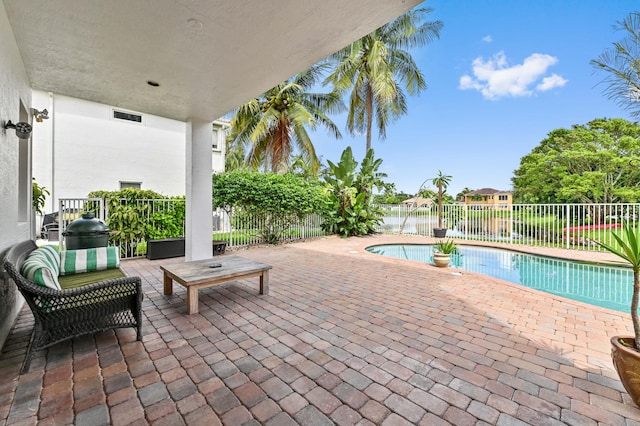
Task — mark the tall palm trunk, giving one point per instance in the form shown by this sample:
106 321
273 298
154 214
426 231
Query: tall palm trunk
440 212
369 115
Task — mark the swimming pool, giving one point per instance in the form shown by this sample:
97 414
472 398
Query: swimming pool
605 286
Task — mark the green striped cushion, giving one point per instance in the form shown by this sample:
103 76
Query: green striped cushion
88 260
42 266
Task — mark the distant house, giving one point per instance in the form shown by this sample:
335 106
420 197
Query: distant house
500 200
418 202
86 146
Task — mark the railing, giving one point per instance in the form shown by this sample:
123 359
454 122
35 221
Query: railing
573 226
70 209
234 227
239 229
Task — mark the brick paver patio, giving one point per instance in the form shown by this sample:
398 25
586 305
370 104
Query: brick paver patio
344 337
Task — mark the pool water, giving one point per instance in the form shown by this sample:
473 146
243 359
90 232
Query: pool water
605 286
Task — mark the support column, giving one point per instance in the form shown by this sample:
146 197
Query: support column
199 221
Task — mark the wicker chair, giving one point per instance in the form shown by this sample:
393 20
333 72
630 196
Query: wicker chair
65 314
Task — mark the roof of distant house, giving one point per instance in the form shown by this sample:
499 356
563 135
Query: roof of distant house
487 191
419 201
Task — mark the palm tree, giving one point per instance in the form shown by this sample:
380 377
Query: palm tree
299 167
234 154
620 63
376 67
268 130
442 182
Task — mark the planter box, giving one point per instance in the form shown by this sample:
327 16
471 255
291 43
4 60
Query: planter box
174 247
166 248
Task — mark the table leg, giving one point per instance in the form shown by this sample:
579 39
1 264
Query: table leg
192 300
168 284
264 282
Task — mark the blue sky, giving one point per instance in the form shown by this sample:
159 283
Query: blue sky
503 74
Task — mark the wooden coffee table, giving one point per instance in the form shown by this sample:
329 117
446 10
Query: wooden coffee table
198 274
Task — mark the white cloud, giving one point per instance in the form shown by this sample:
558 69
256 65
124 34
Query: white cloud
487 39
494 78
553 81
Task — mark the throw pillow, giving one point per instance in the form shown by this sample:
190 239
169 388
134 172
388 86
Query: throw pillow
42 267
88 260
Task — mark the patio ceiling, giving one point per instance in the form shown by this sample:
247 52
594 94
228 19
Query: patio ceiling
208 56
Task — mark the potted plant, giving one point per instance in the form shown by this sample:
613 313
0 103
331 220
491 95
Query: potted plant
442 252
442 182
625 350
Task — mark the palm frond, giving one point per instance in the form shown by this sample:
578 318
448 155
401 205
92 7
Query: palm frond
378 62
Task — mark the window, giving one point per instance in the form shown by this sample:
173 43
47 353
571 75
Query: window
134 185
503 197
214 144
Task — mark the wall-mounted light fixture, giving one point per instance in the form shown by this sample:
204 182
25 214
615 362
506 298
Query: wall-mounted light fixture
23 130
40 115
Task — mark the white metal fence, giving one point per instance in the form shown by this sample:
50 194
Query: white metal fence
240 229
573 226
70 209
153 216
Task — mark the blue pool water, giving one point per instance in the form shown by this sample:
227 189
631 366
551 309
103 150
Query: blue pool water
605 286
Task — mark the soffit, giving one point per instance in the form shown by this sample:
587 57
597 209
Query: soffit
208 56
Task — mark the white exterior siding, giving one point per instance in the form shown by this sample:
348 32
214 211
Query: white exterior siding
82 148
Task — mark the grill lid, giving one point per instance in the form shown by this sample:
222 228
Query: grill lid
87 225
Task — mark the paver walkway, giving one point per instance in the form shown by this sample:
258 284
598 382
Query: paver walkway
344 337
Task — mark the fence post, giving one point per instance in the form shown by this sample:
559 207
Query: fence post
511 223
567 226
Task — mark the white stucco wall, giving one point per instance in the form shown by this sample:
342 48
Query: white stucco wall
15 195
82 148
89 150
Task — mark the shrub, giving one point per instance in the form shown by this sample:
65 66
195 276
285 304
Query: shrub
268 202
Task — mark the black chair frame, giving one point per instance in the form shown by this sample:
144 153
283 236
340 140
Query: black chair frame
62 315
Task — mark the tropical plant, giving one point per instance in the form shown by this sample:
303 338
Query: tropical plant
268 202
448 246
628 249
39 196
375 69
268 130
620 65
141 248
441 181
131 215
127 223
350 210
299 167
167 221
